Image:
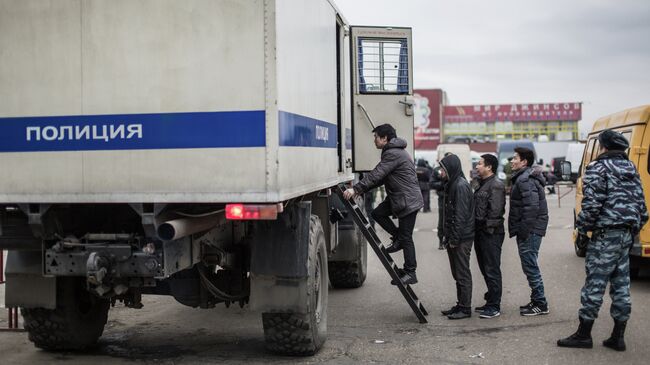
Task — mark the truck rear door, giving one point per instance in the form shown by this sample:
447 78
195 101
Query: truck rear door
382 91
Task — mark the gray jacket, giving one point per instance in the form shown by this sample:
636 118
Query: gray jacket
396 171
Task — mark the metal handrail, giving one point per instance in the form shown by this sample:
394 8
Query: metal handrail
367 115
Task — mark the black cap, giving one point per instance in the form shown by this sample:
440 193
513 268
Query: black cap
613 140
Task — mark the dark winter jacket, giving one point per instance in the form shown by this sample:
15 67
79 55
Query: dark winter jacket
612 195
458 212
490 202
397 171
528 209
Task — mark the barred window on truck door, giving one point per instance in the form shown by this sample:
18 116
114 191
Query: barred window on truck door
383 66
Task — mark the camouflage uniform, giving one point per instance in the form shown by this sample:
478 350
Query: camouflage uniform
614 210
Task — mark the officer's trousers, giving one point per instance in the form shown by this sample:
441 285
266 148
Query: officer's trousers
607 260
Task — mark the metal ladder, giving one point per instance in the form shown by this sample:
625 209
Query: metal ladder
371 236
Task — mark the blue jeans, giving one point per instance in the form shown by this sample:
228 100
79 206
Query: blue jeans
528 253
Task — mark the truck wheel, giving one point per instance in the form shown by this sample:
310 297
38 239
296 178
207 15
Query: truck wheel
76 323
580 246
351 274
302 334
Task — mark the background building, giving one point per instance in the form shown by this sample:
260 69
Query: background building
482 126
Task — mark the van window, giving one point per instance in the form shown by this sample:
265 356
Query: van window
594 152
586 158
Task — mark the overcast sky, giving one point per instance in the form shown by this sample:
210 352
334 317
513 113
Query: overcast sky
521 51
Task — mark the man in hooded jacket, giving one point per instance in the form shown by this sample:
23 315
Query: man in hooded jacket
396 171
458 233
614 210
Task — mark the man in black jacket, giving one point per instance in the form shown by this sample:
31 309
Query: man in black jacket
396 171
527 221
458 233
490 202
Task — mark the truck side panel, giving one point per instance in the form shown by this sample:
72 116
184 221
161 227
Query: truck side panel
307 96
69 64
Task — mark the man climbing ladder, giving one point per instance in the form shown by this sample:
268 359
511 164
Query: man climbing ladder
403 197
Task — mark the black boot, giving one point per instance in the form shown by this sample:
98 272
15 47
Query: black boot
616 341
582 337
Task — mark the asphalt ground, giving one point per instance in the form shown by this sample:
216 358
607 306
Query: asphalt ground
374 325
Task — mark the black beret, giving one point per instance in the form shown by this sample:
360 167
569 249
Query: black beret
613 140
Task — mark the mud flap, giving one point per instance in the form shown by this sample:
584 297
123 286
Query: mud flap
26 285
279 261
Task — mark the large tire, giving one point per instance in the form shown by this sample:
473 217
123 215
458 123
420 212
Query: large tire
303 334
351 274
77 322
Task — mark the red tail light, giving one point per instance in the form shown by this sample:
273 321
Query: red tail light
253 211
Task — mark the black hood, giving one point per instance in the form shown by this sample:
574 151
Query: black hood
453 167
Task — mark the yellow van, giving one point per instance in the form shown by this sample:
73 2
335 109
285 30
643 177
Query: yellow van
633 124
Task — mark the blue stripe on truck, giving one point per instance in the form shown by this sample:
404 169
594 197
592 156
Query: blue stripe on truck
300 131
133 131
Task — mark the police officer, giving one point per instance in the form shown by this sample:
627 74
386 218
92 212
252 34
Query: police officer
614 210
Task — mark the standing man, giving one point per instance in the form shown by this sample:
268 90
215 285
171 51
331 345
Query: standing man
614 210
490 201
425 172
396 171
527 221
458 233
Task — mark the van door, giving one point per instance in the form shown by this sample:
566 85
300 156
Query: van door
382 90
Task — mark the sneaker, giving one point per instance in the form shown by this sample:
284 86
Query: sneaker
451 310
529 305
480 309
407 279
460 314
535 310
394 246
490 313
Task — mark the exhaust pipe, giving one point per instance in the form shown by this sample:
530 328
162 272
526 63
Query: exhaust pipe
178 228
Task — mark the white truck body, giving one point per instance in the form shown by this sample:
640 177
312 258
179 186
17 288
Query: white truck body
198 101
171 123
